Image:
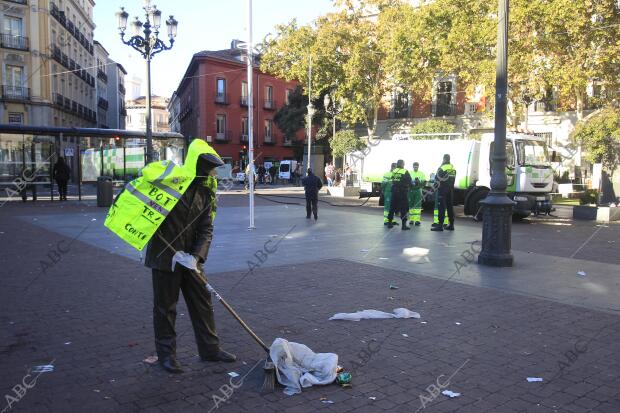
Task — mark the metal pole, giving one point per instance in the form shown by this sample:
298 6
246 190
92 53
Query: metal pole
497 210
309 115
149 127
250 60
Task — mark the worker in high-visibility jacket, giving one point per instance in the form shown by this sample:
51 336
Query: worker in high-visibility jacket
418 180
401 182
386 189
446 174
171 209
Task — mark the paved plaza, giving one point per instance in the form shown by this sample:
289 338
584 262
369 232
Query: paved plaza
75 297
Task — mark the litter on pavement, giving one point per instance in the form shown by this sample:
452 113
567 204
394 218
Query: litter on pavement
150 359
450 393
375 314
393 287
44 368
534 379
581 273
298 366
233 374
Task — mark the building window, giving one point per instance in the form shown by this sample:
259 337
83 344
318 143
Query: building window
244 93
289 92
220 127
245 130
14 80
16 118
268 130
12 26
268 97
445 104
220 92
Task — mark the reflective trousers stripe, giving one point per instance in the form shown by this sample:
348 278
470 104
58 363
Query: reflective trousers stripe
446 221
146 200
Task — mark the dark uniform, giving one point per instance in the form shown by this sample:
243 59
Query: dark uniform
312 184
401 182
188 227
446 174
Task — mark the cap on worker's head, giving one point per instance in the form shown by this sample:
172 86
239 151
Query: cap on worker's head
400 163
208 161
446 158
416 164
393 165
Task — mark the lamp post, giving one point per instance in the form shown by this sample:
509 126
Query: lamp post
147 45
497 210
333 108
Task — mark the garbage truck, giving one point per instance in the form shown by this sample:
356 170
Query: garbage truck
528 169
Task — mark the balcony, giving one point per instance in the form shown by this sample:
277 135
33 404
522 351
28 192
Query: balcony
443 109
122 111
18 1
74 107
102 103
243 101
8 41
269 104
243 138
102 76
222 136
18 93
269 140
287 142
72 64
67 103
221 98
121 88
58 99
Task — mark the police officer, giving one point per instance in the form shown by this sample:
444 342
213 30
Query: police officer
180 244
415 195
386 188
446 174
401 182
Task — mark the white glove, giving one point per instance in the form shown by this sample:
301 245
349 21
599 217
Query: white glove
185 259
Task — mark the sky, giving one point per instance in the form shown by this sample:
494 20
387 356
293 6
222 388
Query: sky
203 25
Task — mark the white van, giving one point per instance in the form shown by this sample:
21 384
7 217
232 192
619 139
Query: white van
286 169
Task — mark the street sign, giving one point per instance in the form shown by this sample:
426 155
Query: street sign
68 152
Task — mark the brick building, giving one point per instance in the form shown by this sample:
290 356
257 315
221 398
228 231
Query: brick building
213 96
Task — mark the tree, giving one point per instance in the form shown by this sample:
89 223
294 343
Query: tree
290 118
600 137
433 126
345 142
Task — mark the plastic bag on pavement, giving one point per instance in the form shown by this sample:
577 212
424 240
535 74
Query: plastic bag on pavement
375 314
185 259
297 366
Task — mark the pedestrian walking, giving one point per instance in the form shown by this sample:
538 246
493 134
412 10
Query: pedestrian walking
297 174
272 173
61 174
261 174
180 244
312 185
447 176
401 182
418 180
386 193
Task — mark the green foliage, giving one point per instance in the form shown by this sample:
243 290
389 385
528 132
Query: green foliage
345 142
589 197
433 126
600 137
290 118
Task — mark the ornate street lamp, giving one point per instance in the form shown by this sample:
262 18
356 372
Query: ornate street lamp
497 210
333 108
147 45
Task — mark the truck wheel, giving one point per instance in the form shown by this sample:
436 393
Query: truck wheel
474 206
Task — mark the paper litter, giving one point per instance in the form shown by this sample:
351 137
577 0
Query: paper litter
233 374
375 314
534 379
150 359
581 273
298 366
450 393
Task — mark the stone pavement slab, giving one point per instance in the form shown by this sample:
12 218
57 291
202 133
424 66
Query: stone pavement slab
90 312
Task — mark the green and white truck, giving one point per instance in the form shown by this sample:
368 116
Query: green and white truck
529 172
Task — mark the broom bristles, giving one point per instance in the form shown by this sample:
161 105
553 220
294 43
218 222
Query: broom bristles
269 383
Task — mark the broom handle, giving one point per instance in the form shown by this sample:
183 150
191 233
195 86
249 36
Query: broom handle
232 311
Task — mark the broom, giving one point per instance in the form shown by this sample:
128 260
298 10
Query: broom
269 368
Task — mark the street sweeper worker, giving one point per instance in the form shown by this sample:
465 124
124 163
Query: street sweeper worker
178 247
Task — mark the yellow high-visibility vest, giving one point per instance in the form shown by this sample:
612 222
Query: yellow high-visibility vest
146 201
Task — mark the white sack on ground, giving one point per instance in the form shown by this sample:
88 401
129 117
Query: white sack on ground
374 314
297 366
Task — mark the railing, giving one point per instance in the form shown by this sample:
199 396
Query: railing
243 138
222 136
162 125
70 26
121 88
102 103
221 98
122 111
10 92
58 99
67 103
269 140
101 75
243 101
444 109
269 104
18 1
545 106
8 41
